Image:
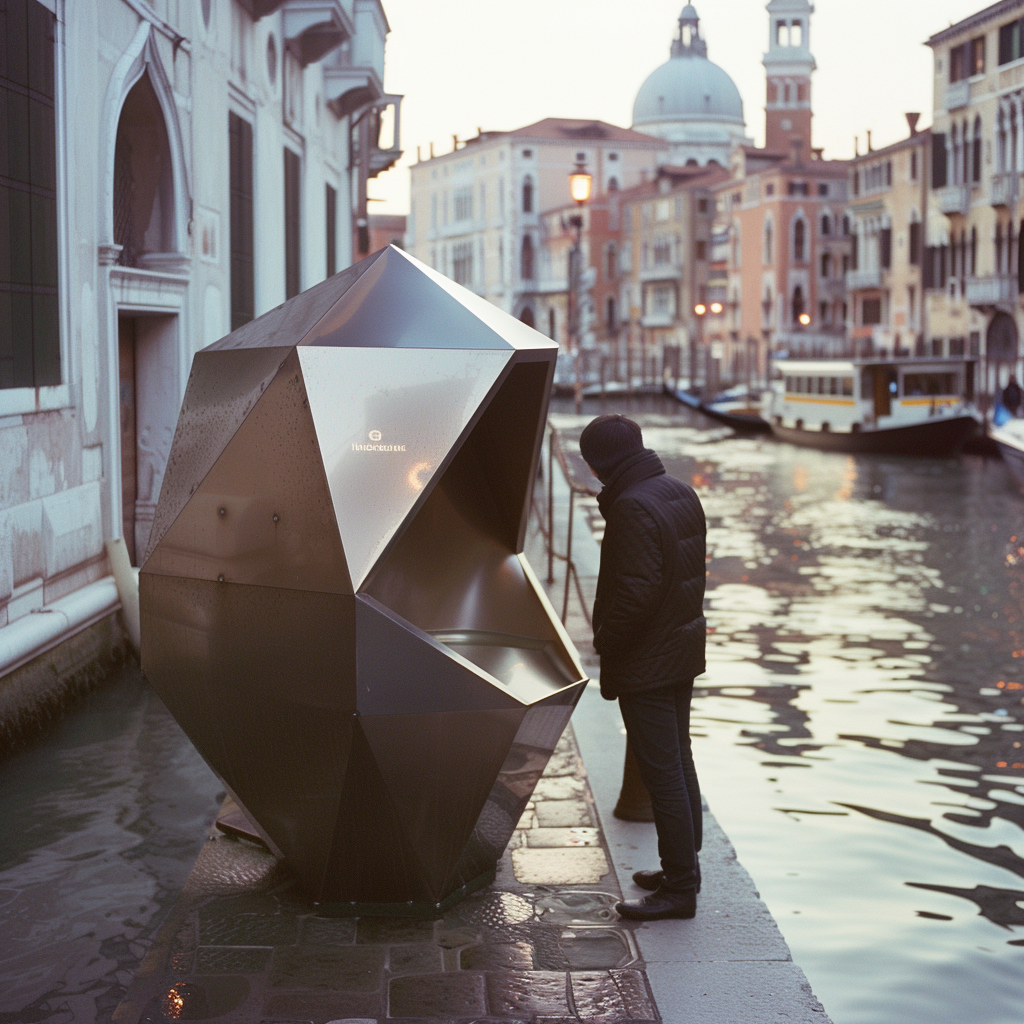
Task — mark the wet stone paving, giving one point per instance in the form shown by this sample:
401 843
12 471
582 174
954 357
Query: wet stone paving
541 944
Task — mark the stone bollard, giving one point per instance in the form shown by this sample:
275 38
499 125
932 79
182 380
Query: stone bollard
634 801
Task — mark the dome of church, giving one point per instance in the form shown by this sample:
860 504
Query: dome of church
689 87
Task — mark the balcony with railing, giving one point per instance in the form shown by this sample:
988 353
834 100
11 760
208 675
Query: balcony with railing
858 280
661 272
991 291
953 199
958 94
1003 189
313 28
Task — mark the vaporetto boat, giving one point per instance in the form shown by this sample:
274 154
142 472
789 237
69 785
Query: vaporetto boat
896 406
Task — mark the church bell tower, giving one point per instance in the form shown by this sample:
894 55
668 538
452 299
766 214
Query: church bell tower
788 65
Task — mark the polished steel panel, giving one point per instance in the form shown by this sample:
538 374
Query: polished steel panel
263 681
514 331
288 323
385 420
505 446
371 858
263 514
401 670
538 734
377 434
396 303
452 568
222 389
440 768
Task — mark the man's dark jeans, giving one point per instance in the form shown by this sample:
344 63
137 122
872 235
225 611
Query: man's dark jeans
658 726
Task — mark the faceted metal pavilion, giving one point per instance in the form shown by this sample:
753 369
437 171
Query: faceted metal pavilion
335 605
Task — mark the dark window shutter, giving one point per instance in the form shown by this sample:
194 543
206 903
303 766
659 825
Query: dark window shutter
915 243
292 284
885 248
939 160
976 169
1020 259
853 253
243 290
928 270
332 231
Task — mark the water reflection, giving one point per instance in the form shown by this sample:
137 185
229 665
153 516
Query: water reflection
102 819
859 731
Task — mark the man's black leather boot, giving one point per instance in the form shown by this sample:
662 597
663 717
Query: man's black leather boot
659 905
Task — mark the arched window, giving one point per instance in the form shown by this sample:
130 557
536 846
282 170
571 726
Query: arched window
526 259
798 303
954 140
526 316
826 264
528 194
769 241
611 262
826 224
143 188
613 184
610 313
799 240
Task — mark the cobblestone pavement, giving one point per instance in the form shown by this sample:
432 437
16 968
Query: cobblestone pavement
541 944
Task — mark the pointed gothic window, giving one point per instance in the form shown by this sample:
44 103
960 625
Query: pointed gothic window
799 240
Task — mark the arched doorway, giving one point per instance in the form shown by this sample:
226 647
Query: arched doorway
1001 349
1001 339
144 212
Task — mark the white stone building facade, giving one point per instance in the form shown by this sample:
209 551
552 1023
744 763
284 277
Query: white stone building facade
476 212
178 168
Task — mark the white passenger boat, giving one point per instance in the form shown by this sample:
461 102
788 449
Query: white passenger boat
1010 439
896 406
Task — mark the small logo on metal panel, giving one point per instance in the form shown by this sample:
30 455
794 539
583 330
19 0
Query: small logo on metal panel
375 445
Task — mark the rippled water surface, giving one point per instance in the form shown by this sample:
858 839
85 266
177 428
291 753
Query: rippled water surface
859 731
100 823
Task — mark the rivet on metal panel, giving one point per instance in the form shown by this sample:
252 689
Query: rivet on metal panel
222 511
275 517
220 578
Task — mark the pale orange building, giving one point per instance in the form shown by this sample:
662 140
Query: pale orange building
782 242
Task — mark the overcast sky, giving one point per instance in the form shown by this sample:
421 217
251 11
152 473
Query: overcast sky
464 64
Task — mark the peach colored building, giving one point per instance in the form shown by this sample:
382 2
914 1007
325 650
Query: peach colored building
781 232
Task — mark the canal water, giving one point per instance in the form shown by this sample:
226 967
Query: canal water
100 822
859 730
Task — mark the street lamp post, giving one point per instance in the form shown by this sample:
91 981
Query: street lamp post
580 182
700 311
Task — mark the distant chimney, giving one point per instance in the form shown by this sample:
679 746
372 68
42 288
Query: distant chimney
431 151
418 157
455 143
869 140
912 121
856 146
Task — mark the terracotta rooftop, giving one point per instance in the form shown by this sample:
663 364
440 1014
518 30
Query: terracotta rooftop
567 129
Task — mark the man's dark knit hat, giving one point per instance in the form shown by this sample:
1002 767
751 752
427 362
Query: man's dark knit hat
608 441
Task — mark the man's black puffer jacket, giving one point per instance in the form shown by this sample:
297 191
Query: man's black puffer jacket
650 633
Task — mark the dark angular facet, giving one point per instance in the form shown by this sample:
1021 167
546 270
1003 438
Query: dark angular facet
335 605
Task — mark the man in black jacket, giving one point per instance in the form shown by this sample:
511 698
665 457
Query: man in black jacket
650 632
